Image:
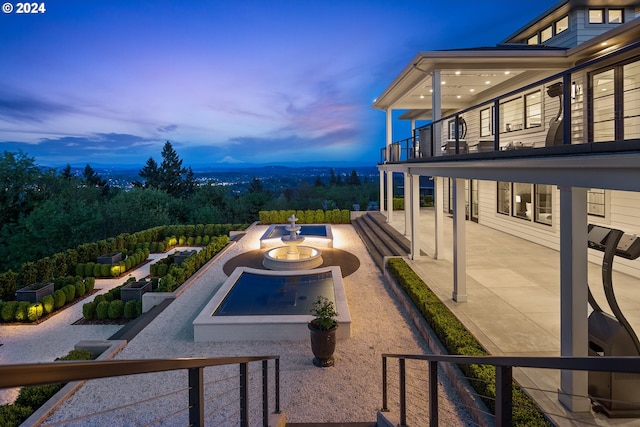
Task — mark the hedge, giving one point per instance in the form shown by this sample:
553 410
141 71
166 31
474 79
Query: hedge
310 216
75 260
458 340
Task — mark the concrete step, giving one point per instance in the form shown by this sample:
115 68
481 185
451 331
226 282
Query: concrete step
380 238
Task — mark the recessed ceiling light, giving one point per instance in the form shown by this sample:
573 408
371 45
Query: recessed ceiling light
457 73
421 96
430 90
506 73
603 44
472 90
488 82
443 83
458 96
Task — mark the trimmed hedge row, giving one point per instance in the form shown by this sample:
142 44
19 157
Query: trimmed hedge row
67 289
458 340
63 263
92 269
176 276
110 306
311 216
31 398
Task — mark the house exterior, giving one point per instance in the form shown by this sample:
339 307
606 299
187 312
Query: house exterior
537 137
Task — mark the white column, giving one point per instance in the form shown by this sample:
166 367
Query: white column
459 244
438 187
574 334
389 173
381 191
415 216
407 204
436 112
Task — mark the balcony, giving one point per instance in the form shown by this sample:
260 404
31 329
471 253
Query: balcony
568 113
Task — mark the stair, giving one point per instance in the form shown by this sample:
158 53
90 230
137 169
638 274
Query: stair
380 238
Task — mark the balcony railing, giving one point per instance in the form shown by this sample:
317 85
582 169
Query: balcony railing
18 375
409 385
548 113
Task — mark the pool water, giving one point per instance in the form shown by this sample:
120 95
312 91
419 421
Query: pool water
259 295
305 230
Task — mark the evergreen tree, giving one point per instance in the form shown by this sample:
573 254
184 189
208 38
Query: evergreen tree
92 178
151 175
66 172
332 177
171 172
353 179
318 182
255 186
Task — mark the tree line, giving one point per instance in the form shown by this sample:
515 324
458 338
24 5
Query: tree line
44 211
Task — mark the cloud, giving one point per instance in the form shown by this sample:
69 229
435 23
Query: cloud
28 109
169 128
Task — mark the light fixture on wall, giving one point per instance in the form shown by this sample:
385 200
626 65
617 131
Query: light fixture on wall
518 199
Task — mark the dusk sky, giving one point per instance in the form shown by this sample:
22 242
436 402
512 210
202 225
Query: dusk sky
107 82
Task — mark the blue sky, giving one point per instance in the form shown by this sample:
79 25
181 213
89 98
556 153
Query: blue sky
107 82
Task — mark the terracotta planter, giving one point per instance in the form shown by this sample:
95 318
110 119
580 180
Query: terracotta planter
323 344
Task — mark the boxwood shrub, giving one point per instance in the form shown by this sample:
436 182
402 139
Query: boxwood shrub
34 312
458 340
69 293
22 311
59 299
8 311
89 310
102 310
47 304
115 309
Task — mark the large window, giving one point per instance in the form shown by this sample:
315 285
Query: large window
596 16
486 122
533 109
546 34
504 198
526 201
613 16
596 202
561 25
615 100
511 115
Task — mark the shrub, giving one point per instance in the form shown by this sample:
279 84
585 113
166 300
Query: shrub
59 299
8 311
115 309
206 239
88 269
99 298
97 270
89 310
190 241
80 289
69 293
105 270
198 240
34 312
102 310
89 284
182 240
22 311
14 415
131 310
36 396
48 304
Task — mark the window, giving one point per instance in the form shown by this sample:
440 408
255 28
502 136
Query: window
596 16
615 16
522 202
504 198
533 39
603 106
511 115
486 122
562 25
595 202
631 100
528 202
543 204
533 110
546 34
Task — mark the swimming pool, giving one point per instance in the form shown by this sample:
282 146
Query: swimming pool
315 234
264 305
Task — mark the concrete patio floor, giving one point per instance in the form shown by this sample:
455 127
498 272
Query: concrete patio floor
513 305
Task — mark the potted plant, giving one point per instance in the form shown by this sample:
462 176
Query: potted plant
323 332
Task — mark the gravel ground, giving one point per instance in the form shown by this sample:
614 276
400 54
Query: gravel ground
348 392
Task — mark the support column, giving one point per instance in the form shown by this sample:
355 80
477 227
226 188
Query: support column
574 334
438 187
459 243
436 112
381 191
389 173
415 215
408 203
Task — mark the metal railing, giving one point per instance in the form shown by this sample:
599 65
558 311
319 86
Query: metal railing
503 380
562 85
18 375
